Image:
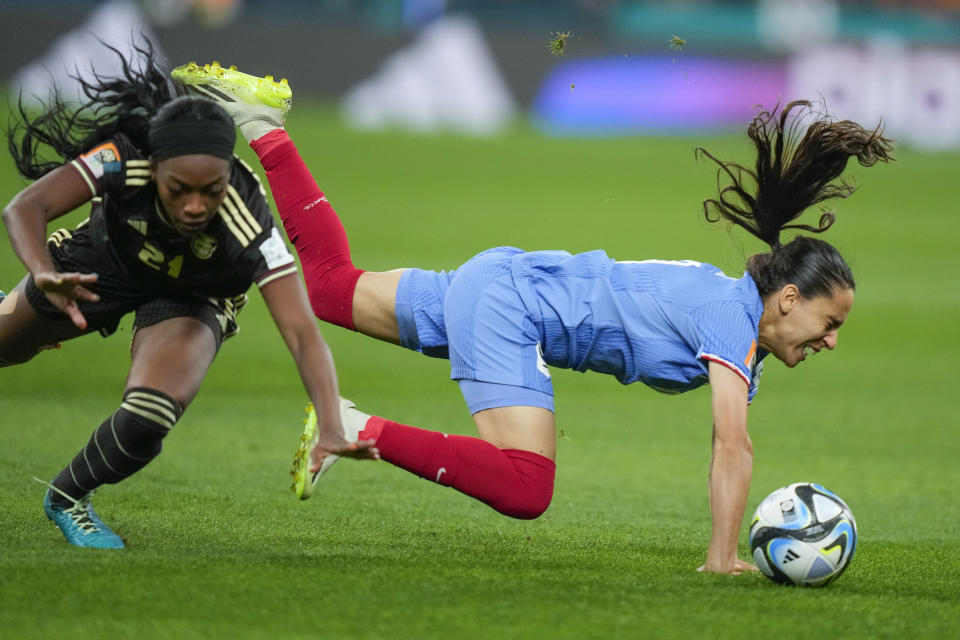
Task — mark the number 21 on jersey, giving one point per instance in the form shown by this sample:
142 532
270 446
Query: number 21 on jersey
156 259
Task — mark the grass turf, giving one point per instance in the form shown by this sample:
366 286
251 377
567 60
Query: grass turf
218 546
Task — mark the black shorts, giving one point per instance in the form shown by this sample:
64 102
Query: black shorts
119 295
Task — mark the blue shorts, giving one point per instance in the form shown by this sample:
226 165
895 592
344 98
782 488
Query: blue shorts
474 316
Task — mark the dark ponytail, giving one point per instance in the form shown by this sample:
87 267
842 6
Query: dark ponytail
794 172
114 105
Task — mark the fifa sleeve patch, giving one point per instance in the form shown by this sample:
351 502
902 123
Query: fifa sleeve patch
93 164
274 251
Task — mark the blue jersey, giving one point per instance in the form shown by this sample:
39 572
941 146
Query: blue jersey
654 321
506 314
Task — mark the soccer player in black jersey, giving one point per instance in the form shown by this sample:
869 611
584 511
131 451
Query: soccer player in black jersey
178 230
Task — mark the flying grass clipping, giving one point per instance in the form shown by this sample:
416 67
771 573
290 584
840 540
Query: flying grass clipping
558 44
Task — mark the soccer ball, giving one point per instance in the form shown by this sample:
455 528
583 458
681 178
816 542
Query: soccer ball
803 534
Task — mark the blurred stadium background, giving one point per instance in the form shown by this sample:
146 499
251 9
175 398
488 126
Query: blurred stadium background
475 65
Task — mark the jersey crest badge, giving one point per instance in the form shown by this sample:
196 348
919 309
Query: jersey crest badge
203 246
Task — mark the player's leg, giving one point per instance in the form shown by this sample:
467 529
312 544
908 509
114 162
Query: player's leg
30 323
511 465
24 332
169 360
339 292
493 350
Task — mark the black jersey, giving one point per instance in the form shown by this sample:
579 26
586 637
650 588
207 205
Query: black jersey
128 224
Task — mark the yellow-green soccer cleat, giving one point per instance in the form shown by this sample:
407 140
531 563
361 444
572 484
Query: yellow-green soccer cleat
303 480
245 97
353 422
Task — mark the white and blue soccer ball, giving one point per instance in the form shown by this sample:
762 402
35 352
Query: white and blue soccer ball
804 535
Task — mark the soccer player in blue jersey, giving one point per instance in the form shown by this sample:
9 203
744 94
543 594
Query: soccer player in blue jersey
507 315
178 231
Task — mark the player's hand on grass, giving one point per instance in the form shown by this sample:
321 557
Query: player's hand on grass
734 566
63 290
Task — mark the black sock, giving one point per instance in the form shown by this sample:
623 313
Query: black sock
125 443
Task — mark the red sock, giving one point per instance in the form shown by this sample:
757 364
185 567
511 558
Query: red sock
514 482
313 227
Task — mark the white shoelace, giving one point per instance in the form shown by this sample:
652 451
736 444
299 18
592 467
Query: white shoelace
78 512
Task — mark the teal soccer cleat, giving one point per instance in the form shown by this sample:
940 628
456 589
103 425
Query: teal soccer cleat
80 524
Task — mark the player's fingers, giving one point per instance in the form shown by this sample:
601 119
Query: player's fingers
75 316
363 450
78 278
82 293
45 280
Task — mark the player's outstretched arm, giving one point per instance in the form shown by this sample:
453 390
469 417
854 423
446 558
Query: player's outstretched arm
26 216
730 470
287 301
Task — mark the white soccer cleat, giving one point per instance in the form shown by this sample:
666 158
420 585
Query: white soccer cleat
353 422
245 97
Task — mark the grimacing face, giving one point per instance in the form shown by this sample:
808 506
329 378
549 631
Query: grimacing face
191 188
794 327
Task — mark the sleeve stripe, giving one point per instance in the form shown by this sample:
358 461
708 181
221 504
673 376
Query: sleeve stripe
83 171
244 211
231 205
726 363
270 276
244 217
253 173
235 219
229 221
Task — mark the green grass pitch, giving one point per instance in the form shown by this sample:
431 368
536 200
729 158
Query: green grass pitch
219 546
